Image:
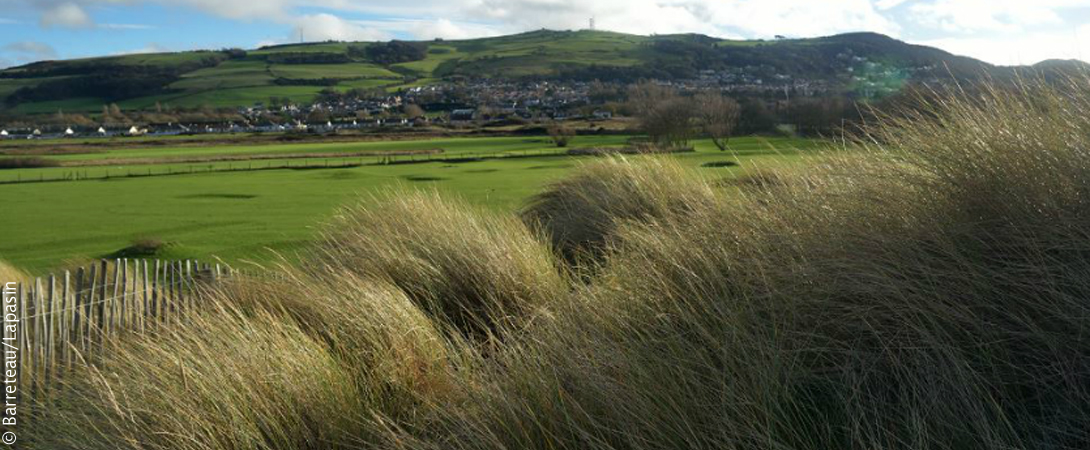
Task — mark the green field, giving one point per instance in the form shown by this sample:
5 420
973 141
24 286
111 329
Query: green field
245 215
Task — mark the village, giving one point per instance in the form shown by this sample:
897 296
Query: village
457 103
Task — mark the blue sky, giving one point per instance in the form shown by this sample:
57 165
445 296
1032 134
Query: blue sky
998 31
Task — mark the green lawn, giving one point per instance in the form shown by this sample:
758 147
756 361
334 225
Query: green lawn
242 215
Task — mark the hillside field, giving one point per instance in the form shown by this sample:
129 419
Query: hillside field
300 71
246 215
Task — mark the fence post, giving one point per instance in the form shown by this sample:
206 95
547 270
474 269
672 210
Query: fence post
147 299
26 360
88 309
103 320
66 312
157 294
39 327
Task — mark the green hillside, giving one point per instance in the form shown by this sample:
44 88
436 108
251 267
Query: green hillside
299 72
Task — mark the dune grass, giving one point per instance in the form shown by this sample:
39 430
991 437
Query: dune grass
9 273
925 290
465 267
581 213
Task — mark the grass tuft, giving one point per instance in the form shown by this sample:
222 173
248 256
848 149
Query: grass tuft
474 271
580 214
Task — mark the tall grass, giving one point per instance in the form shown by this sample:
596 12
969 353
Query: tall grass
472 270
9 273
925 288
580 214
286 363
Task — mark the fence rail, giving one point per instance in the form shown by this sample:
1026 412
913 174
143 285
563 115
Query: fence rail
70 316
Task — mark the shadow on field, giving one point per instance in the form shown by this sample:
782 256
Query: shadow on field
219 196
422 178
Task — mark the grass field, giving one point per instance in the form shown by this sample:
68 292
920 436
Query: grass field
239 215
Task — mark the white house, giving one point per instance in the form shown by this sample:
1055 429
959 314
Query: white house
69 132
3 133
101 131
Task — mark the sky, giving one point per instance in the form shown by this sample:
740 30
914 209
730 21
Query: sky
1005 32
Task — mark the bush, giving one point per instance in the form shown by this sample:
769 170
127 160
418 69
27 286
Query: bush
27 163
561 134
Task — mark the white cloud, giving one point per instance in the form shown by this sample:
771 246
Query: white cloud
125 26
967 16
150 48
1023 49
426 29
321 27
1002 30
27 51
69 15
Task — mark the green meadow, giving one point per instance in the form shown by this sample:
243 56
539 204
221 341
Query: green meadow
245 215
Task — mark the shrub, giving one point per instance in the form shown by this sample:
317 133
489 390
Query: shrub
560 134
141 248
27 163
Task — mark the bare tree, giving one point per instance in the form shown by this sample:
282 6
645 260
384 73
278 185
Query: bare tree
670 123
645 96
718 117
666 117
413 111
560 134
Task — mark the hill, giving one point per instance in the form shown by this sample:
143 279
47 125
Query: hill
299 72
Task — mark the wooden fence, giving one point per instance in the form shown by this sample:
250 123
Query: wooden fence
65 317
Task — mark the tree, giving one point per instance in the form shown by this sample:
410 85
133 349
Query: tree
666 117
645 96
412 111
718 117
670 123
756 117
561 134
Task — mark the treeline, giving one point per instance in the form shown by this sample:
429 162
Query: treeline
281 81
110 83
45 69
308 58
673 118
108 79
393 52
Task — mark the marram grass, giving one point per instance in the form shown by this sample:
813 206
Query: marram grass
923 288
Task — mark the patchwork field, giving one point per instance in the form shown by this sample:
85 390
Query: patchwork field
249 212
